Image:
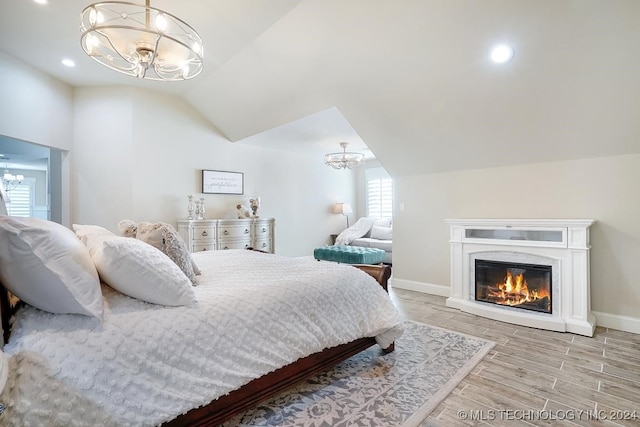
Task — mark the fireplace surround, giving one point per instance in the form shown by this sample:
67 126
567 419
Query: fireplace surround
550 255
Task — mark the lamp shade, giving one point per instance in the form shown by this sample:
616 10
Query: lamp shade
342 208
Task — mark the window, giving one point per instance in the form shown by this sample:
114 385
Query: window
379 193
21 199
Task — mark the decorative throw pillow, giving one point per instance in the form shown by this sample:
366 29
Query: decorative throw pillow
127 228
46 266
164 237
139 270
381 233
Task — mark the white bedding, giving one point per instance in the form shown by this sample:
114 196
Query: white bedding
146 364
359 229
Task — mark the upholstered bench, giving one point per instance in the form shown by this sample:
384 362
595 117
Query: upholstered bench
349 254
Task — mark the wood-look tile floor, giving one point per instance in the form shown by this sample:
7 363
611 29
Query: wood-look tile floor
535 377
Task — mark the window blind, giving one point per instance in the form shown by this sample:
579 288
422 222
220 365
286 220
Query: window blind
21 200
379 193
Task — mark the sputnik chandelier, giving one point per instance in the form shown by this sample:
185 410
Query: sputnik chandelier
141 41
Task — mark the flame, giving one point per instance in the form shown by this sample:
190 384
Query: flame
514 291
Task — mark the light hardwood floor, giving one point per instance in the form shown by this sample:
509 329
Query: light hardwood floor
535 377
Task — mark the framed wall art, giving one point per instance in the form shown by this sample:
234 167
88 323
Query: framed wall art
222 182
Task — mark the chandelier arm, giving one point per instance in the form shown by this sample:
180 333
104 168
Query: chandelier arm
113 49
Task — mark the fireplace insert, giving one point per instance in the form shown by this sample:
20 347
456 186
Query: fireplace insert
525 286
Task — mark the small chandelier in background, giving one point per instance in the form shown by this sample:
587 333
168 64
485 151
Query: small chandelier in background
344 160
11 181
141 41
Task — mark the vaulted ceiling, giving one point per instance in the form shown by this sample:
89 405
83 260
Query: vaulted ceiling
410 78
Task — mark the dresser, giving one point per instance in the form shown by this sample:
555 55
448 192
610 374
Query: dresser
220 234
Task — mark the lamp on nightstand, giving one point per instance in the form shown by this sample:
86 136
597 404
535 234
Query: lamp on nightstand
344 209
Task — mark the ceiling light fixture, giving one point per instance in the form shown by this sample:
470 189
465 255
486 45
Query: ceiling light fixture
11 181
502 54
344 160
141 41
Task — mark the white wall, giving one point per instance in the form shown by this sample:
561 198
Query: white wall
604 189
39 109
35 107
138 154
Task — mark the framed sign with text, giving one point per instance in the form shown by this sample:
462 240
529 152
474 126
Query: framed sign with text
222 182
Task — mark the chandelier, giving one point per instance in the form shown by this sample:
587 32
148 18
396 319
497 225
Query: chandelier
344 160
141 41
11 181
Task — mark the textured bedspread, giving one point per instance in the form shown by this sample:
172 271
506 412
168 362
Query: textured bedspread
146 364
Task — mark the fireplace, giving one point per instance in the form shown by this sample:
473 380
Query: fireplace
524 286
530 272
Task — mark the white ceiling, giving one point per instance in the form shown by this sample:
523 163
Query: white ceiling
410 78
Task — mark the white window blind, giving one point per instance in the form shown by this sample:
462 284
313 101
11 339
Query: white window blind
21 199
379 193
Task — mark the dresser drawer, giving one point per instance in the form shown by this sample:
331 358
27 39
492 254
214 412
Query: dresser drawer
199 247
262 230
234 232
234 244
263 245
204 233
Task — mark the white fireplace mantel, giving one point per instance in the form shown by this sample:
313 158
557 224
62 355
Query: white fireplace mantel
562 244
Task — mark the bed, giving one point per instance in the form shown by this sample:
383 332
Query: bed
199 363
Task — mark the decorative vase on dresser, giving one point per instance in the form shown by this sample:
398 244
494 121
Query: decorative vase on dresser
220 234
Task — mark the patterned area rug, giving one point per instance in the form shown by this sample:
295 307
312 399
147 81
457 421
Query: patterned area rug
378 390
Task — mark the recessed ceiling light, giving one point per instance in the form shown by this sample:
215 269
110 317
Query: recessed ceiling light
68 63
502 54
41 1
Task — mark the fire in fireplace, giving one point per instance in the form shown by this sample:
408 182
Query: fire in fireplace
525 286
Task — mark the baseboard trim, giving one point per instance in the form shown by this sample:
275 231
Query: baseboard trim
616 321
426 288
606 320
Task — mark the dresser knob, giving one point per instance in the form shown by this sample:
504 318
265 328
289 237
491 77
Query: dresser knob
246 231
204 233
264 245
226 232
226 247
264 230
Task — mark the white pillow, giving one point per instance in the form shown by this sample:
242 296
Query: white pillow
46 266
382 222
381 233
83 230
139 270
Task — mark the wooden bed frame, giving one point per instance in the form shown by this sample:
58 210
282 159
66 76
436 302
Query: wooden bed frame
259 389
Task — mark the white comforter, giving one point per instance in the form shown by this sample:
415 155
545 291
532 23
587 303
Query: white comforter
146 364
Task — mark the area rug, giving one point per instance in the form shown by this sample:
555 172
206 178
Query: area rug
377 390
